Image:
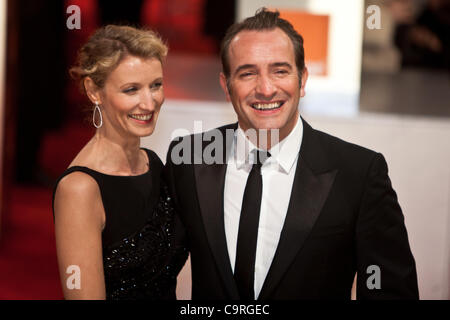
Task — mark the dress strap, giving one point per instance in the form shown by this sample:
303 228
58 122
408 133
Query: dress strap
154 161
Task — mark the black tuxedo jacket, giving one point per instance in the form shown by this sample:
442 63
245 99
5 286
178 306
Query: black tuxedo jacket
343 217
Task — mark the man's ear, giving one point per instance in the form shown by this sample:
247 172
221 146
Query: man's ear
92 90
223 84
303 82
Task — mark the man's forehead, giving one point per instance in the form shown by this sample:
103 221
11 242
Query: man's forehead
260 35
266 44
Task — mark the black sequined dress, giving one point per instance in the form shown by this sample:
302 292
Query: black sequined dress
139 258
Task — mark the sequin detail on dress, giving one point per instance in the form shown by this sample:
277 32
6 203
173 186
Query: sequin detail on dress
145 264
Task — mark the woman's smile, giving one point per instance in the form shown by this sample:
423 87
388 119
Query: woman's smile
142 118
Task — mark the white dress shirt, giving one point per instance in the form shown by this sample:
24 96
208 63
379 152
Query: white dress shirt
277 175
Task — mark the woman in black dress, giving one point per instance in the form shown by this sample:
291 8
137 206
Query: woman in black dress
113 215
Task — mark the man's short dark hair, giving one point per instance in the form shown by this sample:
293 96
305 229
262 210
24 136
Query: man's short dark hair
263 20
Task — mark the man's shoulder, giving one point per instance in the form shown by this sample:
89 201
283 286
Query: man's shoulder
337 144
352 161
344 153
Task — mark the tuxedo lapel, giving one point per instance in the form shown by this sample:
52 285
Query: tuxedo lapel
210 183
312 183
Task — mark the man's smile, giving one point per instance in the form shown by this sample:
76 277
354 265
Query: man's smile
267 106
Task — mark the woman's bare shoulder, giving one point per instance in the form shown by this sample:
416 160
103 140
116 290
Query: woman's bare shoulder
77 183
78 200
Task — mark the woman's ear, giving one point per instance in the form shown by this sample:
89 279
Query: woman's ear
92 90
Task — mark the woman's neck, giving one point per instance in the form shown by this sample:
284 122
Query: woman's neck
119 154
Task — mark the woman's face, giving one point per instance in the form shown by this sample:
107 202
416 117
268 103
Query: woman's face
132 97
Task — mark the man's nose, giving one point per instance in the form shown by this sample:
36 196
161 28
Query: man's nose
265 87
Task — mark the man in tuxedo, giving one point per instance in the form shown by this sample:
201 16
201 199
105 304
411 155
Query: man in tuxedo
270 208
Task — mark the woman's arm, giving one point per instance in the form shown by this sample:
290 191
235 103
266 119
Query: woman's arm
79 220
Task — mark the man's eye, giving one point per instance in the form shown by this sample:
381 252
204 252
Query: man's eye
246 74
281 71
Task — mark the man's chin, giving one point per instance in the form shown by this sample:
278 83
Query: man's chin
267 125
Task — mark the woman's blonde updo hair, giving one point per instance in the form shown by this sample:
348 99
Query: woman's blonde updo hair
109 45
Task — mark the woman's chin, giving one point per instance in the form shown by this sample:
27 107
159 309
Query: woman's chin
139 132
145 133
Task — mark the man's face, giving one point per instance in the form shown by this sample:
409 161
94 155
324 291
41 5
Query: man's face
263 86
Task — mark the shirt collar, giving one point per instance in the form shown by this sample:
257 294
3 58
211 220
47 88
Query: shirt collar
242 148
284 153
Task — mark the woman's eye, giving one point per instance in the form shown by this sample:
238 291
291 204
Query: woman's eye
156 85
130 90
